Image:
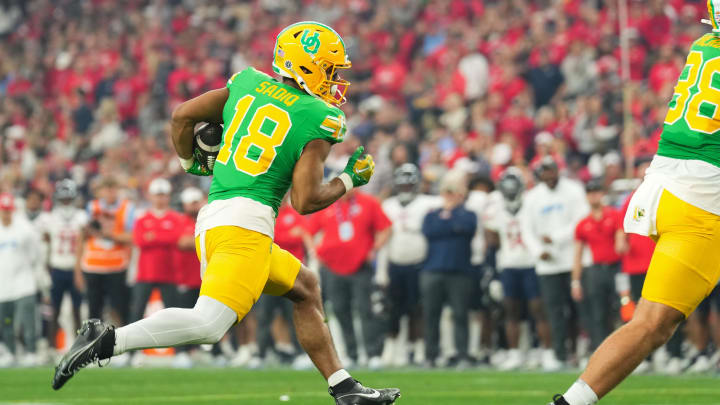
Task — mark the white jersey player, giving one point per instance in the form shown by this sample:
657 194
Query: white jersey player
517 269
62 227
502 217
401 258
407 209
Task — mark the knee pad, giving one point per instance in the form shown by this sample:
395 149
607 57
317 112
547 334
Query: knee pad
213 319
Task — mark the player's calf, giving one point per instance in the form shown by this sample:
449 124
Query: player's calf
306 289
314 336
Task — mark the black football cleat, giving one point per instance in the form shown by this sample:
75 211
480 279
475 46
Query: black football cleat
558 400
351 392
94 342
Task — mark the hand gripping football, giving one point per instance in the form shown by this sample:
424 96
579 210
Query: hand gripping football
206 144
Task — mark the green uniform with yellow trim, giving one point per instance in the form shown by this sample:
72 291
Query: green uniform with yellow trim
678 203
267 125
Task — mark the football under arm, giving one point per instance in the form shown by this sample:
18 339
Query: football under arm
309 194
207 107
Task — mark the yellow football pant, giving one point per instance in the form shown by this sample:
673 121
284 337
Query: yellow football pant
685 266
240 264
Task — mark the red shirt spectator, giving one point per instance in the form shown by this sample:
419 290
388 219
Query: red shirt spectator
126 91
663 74
636 55
185 261
656 29
18 85
388 78
640 249
289 227
156 234
599 235
349 227
517 123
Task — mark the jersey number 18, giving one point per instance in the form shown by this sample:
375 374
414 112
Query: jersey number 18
255 151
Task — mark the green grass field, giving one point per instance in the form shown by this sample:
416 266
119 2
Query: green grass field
233 386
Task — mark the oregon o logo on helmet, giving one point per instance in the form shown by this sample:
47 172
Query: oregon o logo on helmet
310 44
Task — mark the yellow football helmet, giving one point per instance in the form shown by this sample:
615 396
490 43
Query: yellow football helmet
311 53
714 11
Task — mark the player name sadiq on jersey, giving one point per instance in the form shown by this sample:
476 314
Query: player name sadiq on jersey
278 93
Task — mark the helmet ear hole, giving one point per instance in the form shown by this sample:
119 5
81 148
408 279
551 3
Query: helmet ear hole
305 70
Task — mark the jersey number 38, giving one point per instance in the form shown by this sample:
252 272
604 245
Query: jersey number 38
266 130
697 95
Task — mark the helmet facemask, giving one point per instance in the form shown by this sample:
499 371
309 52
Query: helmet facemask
333 88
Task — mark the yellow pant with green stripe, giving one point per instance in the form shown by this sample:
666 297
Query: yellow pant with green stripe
239 265
685 266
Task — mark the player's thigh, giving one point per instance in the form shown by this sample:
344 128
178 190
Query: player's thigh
284 269
235 264
397 286
412 288
685 266
512 283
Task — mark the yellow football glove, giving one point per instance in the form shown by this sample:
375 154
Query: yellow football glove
359 170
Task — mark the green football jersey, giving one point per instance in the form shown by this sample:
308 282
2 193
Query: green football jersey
266 126
692 124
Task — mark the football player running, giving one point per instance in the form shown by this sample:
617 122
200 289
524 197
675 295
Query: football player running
62 228
276 133
678 204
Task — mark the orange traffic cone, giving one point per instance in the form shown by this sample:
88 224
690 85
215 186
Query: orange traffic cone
60 340
627 309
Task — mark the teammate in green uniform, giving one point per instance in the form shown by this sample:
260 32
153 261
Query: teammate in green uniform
276 134
678 205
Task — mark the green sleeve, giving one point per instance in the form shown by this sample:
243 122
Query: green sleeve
329 124
325 122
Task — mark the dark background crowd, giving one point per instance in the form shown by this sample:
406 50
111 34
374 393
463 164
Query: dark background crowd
462 90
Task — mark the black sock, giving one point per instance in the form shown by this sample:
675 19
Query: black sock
344 385
107 345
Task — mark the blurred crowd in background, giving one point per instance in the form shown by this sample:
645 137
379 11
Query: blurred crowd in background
446 94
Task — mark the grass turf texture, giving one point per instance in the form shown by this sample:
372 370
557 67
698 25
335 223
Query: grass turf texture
233 386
